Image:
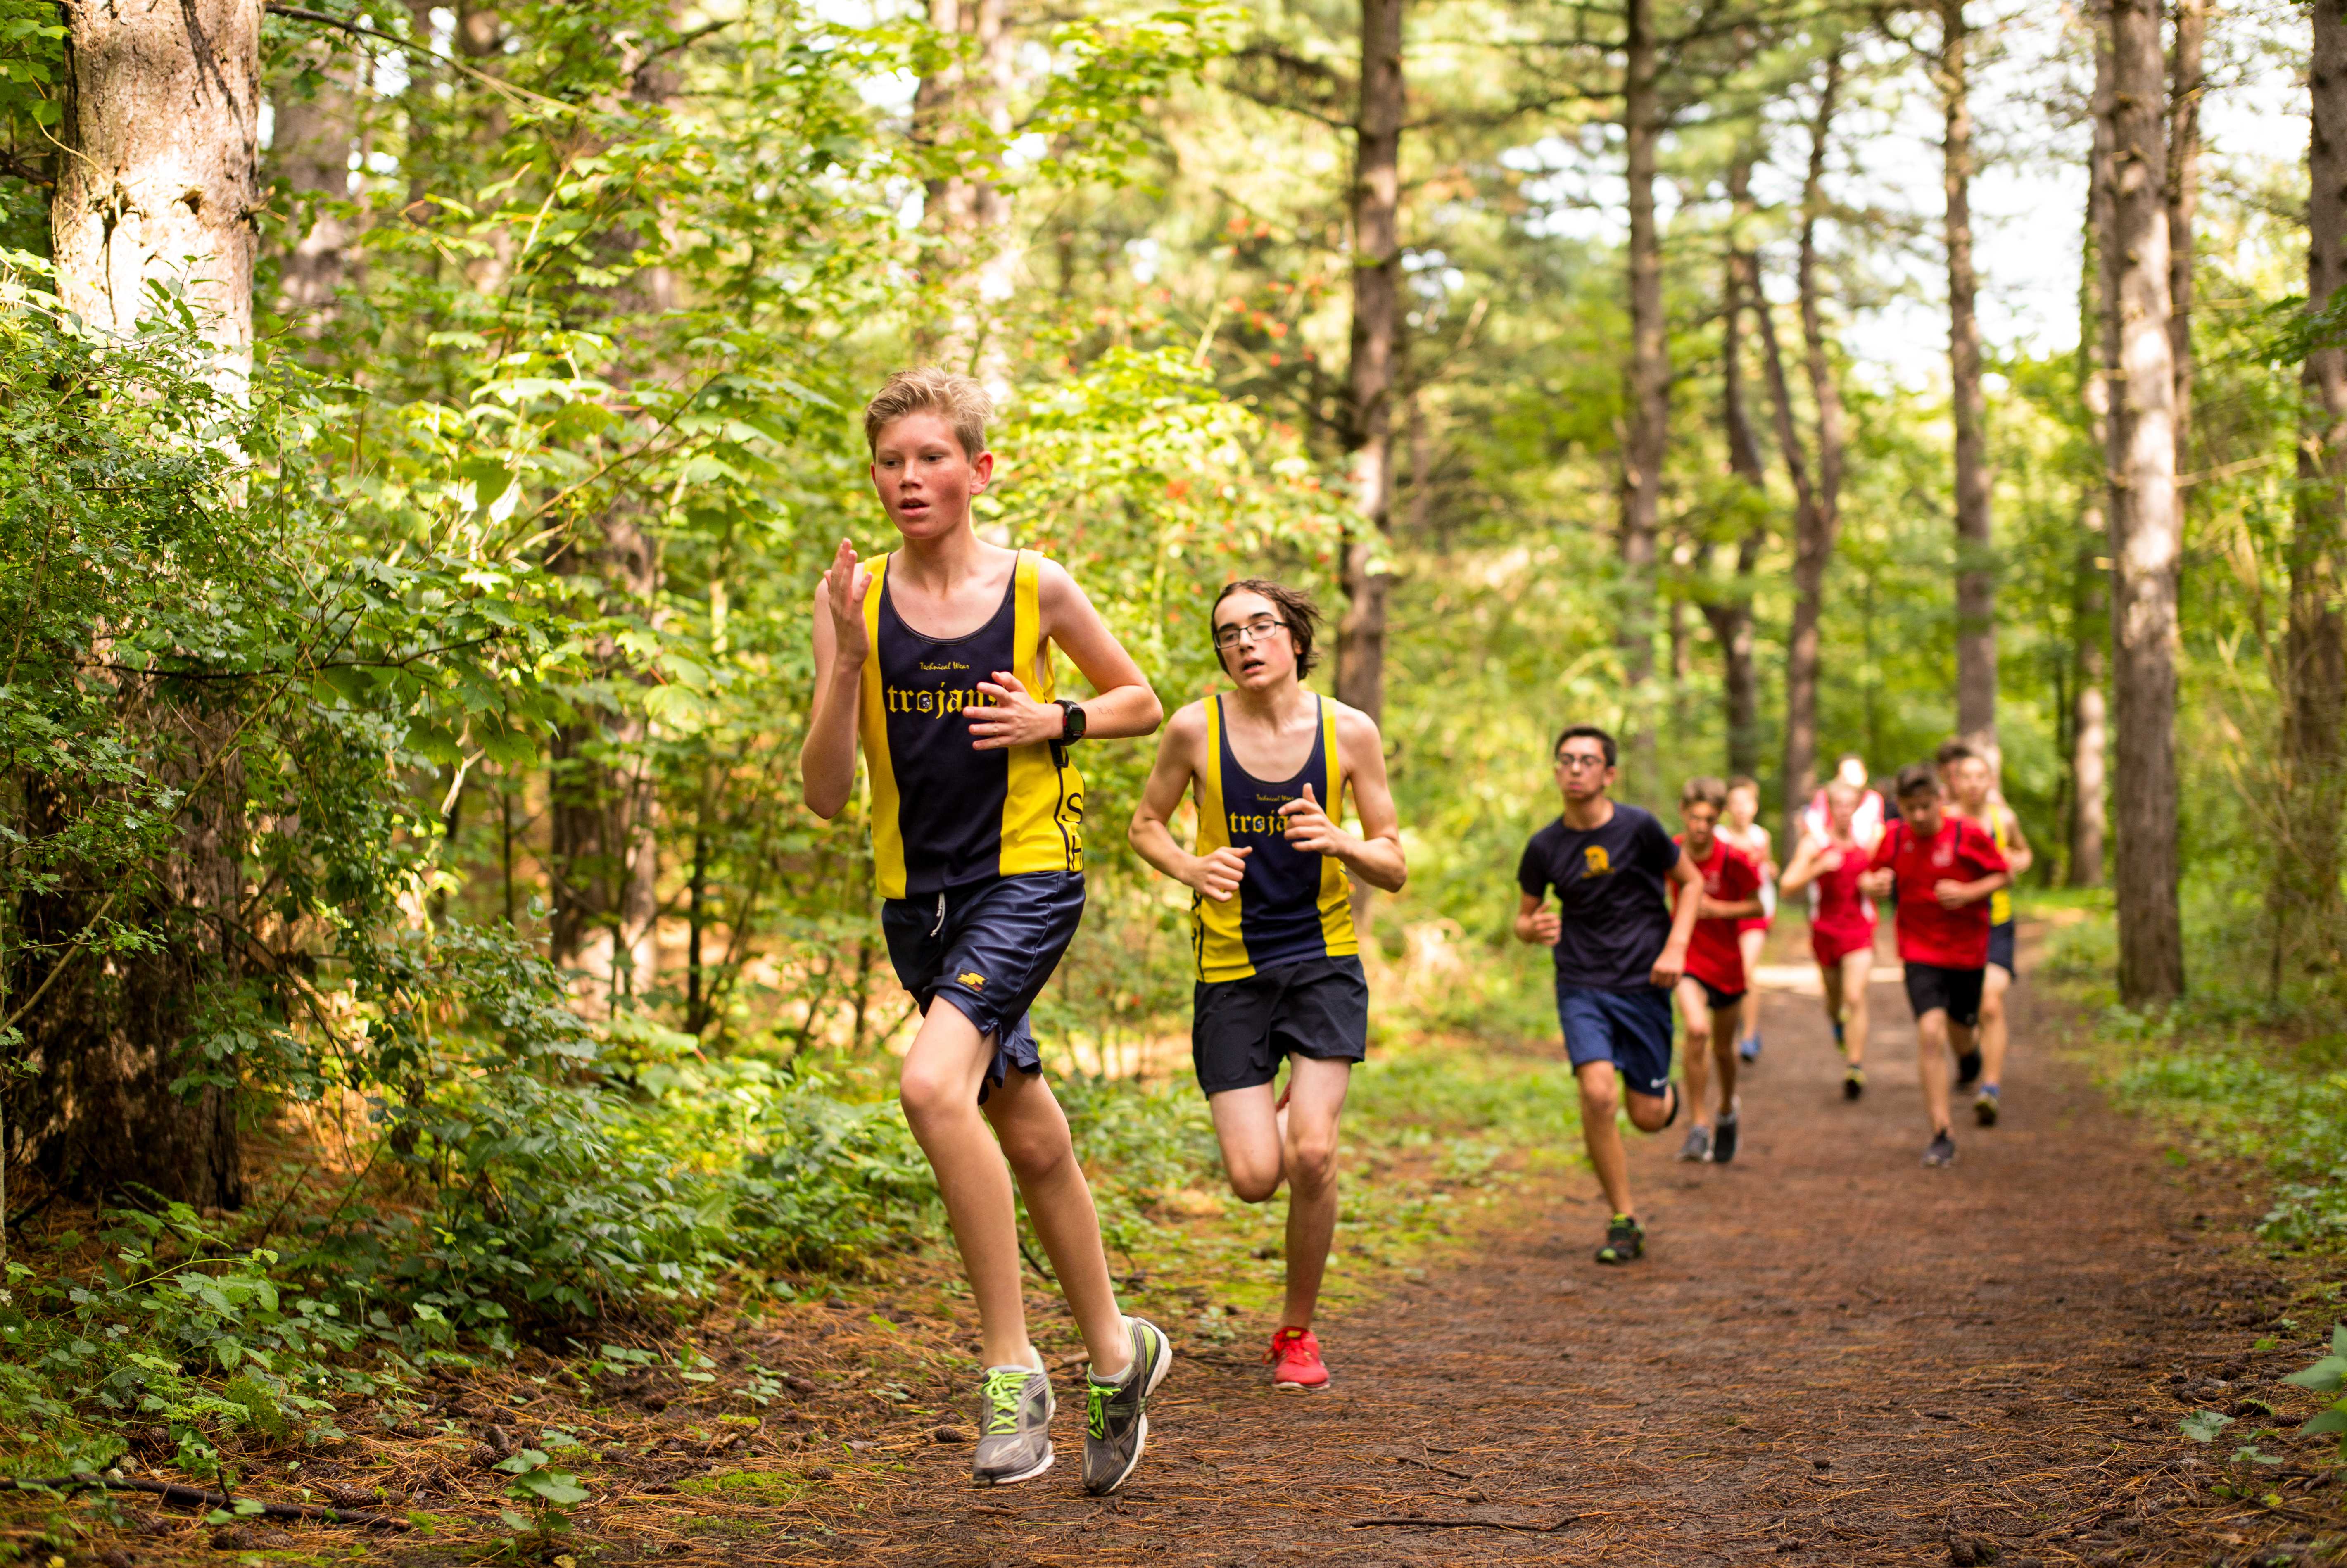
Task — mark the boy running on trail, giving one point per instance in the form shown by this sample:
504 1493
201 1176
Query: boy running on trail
1868 821
1841 931
1742 828
1972 781
1278 967
936 658
1712 994
1941 869
1619 952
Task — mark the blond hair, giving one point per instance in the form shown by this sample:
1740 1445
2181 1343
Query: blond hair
925 389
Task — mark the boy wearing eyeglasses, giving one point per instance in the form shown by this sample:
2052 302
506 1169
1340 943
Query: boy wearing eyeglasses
1278 966
1620 950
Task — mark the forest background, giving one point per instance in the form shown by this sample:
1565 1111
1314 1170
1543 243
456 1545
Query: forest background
423 427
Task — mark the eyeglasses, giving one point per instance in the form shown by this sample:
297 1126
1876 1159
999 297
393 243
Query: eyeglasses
1254 630
1574 762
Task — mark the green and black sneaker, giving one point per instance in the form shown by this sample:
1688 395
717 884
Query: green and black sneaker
1116 1412
1014 1426
1624 1241
1853 1084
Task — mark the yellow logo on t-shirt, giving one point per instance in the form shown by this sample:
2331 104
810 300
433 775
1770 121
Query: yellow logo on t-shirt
1593 861
971 978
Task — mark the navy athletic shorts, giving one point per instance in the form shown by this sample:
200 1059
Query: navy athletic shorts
2000 948
1956 992
987 948
1632 1029
1240 1029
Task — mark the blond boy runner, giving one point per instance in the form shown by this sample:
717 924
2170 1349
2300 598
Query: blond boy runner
1971 780
936 661
1278 966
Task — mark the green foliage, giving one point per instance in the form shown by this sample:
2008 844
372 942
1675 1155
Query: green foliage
2327 1375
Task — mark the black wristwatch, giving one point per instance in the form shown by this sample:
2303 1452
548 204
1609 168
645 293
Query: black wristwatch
1072 728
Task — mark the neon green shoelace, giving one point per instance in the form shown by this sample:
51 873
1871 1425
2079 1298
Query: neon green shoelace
1096 1398
1004 1389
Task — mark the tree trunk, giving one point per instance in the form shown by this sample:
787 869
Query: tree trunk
1975 546
2145 522
967 213
1375 355
1817 512
1646 390
161 125
2090 594
310 147
2184 85
1731 619
2306 888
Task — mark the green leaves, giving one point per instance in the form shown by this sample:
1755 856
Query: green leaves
2202 1426
2327 1375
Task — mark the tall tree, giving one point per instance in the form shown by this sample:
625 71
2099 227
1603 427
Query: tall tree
968 213
2186 84
1730 615
2306 888
310 150
1816 510
1976 561
158 190
2090 590
1375 354
2147 523
1646 389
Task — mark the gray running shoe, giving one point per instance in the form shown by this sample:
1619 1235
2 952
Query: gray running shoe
1697 1147
1942 1150
1014 1426
1116 1415
1723 1140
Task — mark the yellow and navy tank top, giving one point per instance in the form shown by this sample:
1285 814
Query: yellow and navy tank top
2000 903
944 814
1291 905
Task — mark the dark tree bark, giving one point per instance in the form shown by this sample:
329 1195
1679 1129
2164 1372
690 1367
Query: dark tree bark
2090 592
967 215
161 183
1817 513
1975 543
2185 83
1375 354
2306 886
1731 617
2146 520
311 150
1646 391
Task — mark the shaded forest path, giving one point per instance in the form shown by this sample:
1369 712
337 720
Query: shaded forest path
1830 1354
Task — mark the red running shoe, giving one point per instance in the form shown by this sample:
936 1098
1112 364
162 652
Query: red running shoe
1294 1358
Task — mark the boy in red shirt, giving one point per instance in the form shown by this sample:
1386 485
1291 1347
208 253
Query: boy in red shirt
1942 870
1711 993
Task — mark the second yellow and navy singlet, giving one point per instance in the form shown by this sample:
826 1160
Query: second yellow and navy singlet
944 814
1291 905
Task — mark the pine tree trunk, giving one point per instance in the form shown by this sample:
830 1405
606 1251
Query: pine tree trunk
2314 682
1976 545
1817 506
1646 389
310 147
161 124
1731 619
2090 593
2186 84
967 215
1375 354
2146 520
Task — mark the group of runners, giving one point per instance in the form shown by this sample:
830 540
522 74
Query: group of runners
935 661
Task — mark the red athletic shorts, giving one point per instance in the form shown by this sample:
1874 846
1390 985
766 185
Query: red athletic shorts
1833 943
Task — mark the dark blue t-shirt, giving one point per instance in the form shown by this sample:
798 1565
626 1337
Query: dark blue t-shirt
1609 881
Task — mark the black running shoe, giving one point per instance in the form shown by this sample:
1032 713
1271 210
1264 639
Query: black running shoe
1624 1241
1116 1412
1942 1150
1968 1069
1723 1140
1853 1084
1986 1108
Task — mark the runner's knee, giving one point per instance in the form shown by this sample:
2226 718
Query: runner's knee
1649 1115
1312 1161
1254 1184
933 1098
1036 1151
1599 1106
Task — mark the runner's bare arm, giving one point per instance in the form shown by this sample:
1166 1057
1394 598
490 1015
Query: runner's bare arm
1536 922
2017 853
1729 909
827 757
1217 875
1123 706
1375 854
1673 963
1953 894
1806 868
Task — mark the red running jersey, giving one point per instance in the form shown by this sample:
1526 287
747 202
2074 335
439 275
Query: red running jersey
1962 851
1712 956
1843 912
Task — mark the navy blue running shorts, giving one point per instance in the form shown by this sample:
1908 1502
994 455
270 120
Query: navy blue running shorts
2000 947
1632 1029
1240 1029
1956 992
987 948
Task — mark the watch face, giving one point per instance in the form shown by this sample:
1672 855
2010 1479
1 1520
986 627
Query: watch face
1075 722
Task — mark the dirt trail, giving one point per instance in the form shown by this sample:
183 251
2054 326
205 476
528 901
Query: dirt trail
1830 1354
